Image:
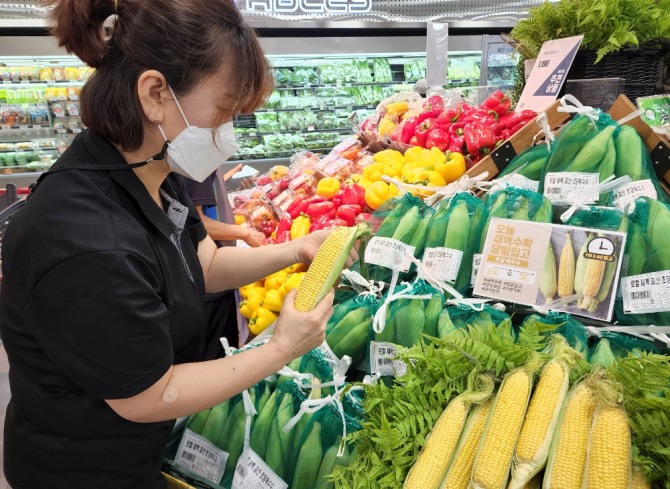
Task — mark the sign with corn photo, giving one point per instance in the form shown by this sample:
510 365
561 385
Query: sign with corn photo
564 268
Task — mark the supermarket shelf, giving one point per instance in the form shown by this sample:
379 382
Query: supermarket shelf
20 83
337 85
291 132
326 107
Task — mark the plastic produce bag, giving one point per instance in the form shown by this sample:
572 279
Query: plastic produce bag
456 226
516 203
612 346
529 163
559 323
644 291
349 335
462 316
605 218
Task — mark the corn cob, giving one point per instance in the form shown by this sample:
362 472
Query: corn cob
309 460
657 233
602 354
409 322
532 449
353 344
566 268
595 271
458 473
521 213
418 240
607 165
545 212
326 267
580 268
636 249
458 228
429 469
388 334
327 466
567 457
592 152
215 422
534 483
629 157
496 450
437 229
444 324
197 422
609 459
610 272
279 442
260 430
639 479
432 314
548 284
353 318
408 223
496 208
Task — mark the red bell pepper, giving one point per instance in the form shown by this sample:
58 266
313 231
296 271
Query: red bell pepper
408 128
336 223
267 227
418 140
363 217
508 121
518 127
423 129
325 222
456 144
348 213
322 209
437 138
297 207
432 108
498 102
353 195
317 199
479 139
337 198
284 225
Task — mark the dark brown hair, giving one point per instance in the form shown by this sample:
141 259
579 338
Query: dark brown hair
183 39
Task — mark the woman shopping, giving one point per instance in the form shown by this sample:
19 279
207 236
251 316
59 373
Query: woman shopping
105 269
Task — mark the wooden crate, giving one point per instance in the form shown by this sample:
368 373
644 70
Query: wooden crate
658 148
521 140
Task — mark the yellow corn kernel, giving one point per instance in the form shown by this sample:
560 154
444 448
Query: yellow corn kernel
495 454
566 468
609 459
593 278
640 480
325 268
566 268
532 449
435 456
458 475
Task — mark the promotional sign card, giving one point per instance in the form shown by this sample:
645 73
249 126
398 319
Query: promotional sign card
522 262
549 73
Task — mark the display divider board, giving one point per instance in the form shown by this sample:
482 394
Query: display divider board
519 141
657 147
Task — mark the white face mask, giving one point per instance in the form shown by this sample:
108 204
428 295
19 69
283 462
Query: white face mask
194 153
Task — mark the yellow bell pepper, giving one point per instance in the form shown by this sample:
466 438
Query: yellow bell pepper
432 179
453 168
378 193
245 311
275 280
328 187
293 281
239 220
388 156
394 168
385 127
397 108
436 156
273 300
365 183
261 319
296 268
373 172
254 300
415 153
247 290
300 227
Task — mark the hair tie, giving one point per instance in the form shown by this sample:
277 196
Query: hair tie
107 29
116 6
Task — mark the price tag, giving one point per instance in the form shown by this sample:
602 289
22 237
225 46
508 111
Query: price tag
76 130
74 98
389 253
311 128
25 82
476 261
509 273
567 187
382 359
24 127
647 293
443 263
6 82
61 131
252 473
200 456
626 194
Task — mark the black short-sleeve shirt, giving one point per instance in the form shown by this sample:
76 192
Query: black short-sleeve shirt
101 293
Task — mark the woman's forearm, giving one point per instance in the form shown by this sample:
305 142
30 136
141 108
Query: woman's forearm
229 267
192 387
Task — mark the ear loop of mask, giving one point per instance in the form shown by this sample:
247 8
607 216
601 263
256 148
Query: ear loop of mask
180 111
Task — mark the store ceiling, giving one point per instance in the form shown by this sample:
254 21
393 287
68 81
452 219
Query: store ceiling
348 10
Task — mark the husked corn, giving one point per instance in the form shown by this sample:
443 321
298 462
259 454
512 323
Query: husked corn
609 459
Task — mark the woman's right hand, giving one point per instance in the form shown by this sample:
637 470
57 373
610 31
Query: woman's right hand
297 333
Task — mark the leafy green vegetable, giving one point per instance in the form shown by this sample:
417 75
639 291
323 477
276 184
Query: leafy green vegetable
607 25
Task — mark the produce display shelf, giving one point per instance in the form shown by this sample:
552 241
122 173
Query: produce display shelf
326 107
311 86
28 127
41 82
252 135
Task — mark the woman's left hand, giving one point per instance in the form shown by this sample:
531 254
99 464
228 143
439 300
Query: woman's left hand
307 246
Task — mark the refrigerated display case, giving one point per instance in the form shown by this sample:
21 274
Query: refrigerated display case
499 61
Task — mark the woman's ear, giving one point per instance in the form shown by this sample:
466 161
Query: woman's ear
153 90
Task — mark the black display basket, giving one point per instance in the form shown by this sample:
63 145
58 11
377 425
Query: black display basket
640 67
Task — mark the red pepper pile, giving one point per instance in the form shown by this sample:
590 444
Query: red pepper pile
345 208
466 129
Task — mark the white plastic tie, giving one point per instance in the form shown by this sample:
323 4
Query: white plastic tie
553 305
571 105
379 319
610 183
542 120
464 184
361 285
424 273
630 117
